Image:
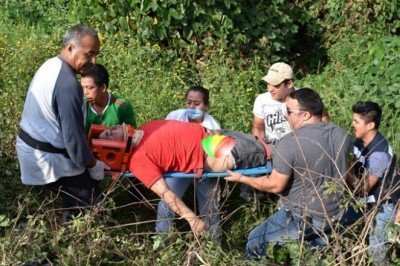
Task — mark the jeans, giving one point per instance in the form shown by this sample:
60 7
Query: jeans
378 238
208 196
281 227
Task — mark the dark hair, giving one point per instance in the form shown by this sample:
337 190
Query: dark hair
308 100
99 74
203 91
369 112
76 33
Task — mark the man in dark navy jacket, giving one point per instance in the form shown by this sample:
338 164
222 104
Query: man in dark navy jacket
374 176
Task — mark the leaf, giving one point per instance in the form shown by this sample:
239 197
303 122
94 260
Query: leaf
4 221
157 243
173 13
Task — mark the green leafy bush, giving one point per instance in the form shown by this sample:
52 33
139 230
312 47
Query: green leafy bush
341 17
187 26
362 68
155 50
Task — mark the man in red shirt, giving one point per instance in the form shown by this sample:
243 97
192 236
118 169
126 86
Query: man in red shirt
172 146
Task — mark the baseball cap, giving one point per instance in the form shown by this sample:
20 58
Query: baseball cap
277 73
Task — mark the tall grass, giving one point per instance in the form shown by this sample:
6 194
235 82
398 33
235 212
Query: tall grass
120 231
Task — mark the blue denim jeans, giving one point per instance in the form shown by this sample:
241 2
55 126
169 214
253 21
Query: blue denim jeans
281 227
378 237
207 194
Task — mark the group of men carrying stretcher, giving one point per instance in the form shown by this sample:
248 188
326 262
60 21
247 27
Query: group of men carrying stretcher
310 158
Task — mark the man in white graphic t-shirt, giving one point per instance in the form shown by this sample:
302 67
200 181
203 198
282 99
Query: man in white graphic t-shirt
269 120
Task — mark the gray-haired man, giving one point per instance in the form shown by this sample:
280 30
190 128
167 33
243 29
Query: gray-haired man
51 144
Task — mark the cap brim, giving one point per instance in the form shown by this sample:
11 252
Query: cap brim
272 80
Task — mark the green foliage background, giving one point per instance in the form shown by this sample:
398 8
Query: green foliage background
154 50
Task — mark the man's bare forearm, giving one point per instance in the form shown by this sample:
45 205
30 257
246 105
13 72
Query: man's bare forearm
272 184
161 188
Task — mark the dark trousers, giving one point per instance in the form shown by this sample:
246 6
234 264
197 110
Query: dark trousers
77 192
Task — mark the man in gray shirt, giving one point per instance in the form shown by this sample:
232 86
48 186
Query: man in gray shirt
309 170
51 144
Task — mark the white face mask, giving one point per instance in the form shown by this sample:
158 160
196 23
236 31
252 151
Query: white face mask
194 114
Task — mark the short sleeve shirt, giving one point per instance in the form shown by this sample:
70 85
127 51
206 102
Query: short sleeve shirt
272 112
118 111
168 146
315 158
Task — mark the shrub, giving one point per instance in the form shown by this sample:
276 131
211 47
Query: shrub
186 26
362 68
205 37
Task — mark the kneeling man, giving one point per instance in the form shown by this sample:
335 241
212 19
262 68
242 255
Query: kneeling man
309 169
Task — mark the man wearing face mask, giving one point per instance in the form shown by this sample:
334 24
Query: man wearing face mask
207 191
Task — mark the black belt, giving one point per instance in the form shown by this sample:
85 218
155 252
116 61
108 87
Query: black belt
40 145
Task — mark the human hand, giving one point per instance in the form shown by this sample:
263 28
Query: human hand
397 218
97 171
233 176
197 225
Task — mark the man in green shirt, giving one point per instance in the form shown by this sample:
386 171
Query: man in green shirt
102 107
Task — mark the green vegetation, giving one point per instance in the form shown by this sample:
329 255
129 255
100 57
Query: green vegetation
154 50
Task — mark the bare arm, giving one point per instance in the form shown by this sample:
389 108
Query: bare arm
275 183
160 187
362 185
258 128
370 182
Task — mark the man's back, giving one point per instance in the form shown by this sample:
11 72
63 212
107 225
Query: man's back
52 115
168 146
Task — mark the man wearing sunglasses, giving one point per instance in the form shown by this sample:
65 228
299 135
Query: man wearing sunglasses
306 163
269 121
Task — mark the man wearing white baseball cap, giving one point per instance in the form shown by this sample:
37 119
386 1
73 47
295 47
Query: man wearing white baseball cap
269 120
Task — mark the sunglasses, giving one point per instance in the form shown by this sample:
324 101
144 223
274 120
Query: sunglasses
290 111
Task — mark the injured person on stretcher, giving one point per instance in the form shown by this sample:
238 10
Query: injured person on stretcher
163 146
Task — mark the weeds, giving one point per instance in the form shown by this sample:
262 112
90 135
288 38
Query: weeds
37 234
120 229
